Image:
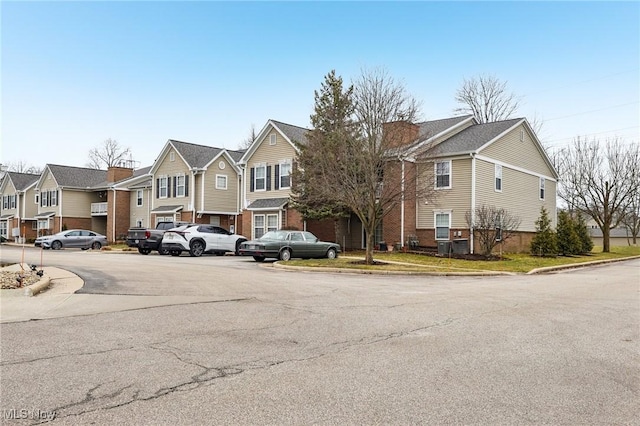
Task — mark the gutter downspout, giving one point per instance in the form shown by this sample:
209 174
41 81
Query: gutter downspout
59 200
193 200
113 224
473 200
402 205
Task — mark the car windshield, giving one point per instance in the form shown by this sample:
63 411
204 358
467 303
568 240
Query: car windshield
275 235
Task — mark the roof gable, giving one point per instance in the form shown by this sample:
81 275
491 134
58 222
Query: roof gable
22 181
289 132
74 177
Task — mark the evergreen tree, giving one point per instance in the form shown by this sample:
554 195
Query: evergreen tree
586 243
568 241
545 242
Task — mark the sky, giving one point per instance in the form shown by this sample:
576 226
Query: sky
74 74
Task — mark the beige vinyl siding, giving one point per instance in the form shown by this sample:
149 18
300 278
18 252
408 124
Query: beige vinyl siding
142 212
76 203
48 183
220 200
525 154
10 190
31 208
270 155
171 169
520 193
457 199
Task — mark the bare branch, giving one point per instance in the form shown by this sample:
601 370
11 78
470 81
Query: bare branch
486 98
108 154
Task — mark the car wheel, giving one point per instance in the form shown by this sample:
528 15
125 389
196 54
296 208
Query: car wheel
144 250
197 248
332 253
259 258
238 246
163 251
285 255
96 245
56 245
175 252
85 248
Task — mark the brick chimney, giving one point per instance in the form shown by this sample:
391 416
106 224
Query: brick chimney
399 133
115 173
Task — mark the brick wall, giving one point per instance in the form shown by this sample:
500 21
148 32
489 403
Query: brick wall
121 212
114 174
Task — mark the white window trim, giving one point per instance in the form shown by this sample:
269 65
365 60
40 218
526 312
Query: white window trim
37 198
268 228
166 186
273 138
497 175
226 180
435 171
172 156
285 163
183 186
435 223
139 198
542 189
255 177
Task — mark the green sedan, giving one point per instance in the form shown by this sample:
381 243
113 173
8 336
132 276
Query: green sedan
284 245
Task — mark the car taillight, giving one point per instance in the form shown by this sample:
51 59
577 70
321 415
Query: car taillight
147 234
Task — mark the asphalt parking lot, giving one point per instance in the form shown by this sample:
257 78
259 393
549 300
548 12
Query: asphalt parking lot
223 340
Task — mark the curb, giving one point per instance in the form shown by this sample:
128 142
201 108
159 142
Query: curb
578 265
36 288
278 265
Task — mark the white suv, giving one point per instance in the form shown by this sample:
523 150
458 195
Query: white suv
199 239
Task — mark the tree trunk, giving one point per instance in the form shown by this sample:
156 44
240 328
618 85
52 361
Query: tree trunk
371 233
605 239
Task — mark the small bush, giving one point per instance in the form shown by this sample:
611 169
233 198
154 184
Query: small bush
545 242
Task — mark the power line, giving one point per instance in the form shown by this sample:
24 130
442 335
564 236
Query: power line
593 110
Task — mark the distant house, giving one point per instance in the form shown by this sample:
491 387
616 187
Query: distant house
19 205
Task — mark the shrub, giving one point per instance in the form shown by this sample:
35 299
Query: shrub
586 243
568 241
545 242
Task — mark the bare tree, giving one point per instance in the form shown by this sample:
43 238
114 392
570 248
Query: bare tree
108 154
348 162
631 218
250 139
23 167
600 181
491 226
487 99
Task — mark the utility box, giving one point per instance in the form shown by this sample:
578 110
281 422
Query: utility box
460 246
444 247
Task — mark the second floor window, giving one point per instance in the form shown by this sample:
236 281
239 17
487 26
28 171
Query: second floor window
221 181
542 188
285 175
139 198
261 178
498 178
443 174
163 187
180 186
43 199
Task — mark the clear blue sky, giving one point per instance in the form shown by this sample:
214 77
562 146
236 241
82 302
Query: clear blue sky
76 73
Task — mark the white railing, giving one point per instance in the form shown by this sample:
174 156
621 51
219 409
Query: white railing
98 209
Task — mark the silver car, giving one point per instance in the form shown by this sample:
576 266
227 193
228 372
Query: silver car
73 238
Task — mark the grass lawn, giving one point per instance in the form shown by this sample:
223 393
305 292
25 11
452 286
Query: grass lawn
514 263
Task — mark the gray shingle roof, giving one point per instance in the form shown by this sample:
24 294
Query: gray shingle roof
471 138
236 155
268 203
142 171
294 133
195 155
77 177
428 129
22 180
167 209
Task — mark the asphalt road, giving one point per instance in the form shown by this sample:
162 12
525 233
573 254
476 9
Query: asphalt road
280 347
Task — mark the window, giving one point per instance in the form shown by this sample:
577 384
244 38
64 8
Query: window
443 223
285 175
172 156
221 181
260 178
180 186
272 139
542 188
43 224
214 220
43 199
53 198
139 197
3 228
5 201
163 187
443 174
37 200
34 225
258 226
498 178
272 222
139 223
